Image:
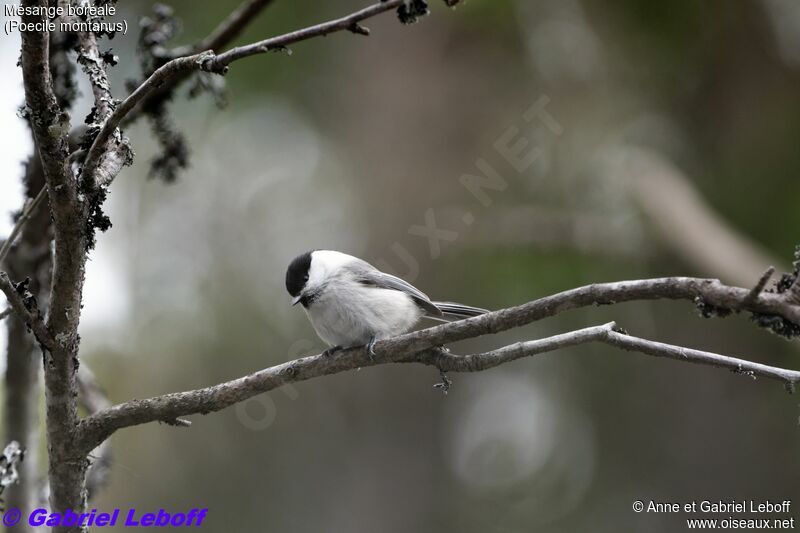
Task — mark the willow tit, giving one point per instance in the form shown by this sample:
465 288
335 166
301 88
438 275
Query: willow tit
351 303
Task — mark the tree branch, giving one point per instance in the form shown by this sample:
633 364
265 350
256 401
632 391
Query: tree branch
790 378
27 211
115 151
759 287
170 70
449 362
175 69
26 310
94 67
420 346
608 334
349 22
49 123
220 37
227 30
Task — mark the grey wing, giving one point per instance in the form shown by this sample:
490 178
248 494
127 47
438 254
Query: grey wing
369 275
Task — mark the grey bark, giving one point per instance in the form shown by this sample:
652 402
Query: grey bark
50 126
421 347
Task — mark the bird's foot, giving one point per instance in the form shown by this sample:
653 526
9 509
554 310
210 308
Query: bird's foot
332 350
371 347
445 384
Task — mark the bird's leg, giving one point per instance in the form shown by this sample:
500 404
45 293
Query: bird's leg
445 384
332 350
371 347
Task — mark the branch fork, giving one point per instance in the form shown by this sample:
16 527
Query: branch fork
424 347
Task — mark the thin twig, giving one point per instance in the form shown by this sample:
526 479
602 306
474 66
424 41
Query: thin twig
227 30
793 293
790 378
207 61
280 42
752 296
608 334
450 362
27 211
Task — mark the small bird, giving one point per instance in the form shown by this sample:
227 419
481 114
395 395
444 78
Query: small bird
351 303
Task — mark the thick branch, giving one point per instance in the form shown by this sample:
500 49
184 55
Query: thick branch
175 69
710 292
423 343
49 123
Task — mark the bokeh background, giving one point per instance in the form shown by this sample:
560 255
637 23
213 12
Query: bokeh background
670 148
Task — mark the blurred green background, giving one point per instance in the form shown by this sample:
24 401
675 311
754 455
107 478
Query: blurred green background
676 153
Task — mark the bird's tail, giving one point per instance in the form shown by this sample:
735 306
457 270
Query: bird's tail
454 311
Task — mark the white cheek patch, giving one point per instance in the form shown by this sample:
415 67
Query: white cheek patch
323 264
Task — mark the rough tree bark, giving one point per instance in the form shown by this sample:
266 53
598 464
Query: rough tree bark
50 126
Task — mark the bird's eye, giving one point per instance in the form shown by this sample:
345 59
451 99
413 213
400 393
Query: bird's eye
305 278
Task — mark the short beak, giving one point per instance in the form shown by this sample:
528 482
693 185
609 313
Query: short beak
296 299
